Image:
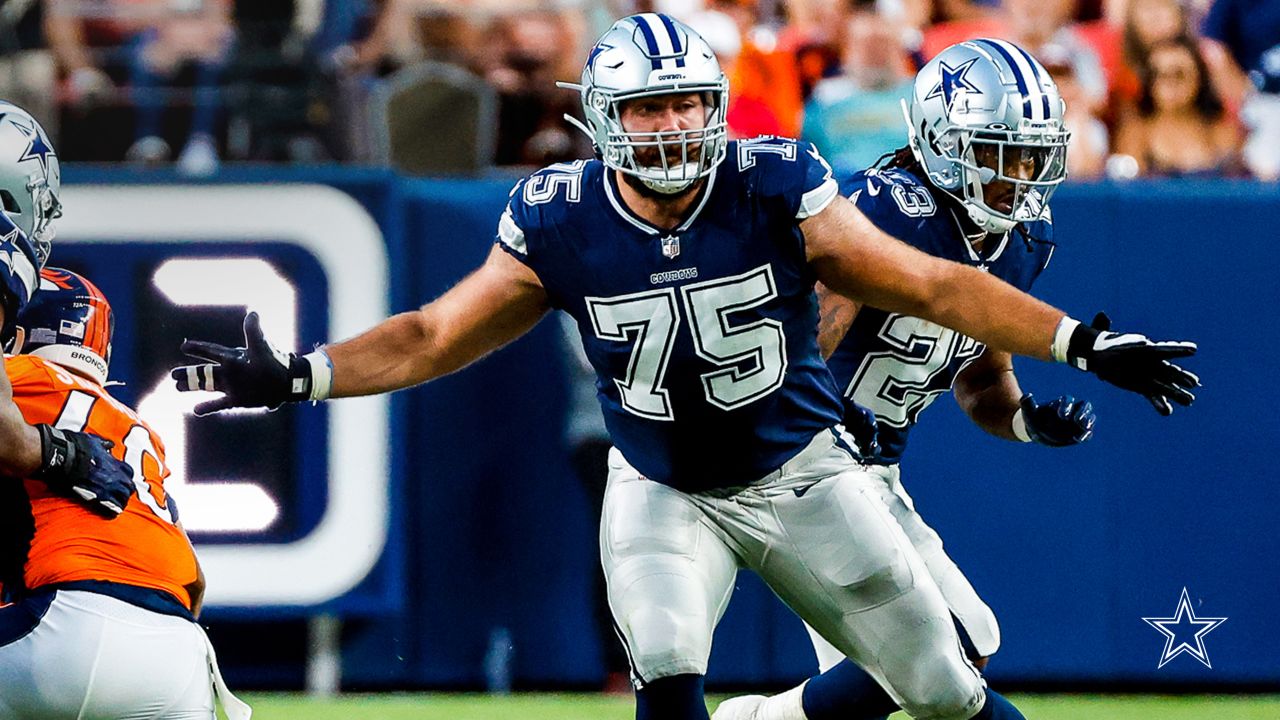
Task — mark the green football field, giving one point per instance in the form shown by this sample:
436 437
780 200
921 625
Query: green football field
599 707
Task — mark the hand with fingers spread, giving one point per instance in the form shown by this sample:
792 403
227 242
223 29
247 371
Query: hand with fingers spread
1060 422
256 375
1129 361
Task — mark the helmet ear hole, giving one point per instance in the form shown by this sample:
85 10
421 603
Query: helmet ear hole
8 202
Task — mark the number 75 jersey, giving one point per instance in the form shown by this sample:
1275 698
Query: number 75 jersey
896 365
64 542
703 337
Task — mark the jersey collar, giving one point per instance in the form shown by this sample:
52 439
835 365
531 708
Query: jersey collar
611 191
969 235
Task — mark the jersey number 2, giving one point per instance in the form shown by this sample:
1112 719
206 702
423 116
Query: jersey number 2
752 356
899 383
137 444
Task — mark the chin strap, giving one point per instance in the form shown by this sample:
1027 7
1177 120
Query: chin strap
661 186
987 222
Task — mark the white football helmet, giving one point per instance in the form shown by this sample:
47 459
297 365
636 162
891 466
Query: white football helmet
644 55
30 177
985 111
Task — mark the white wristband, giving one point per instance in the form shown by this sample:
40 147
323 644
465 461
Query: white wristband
1020 427
321 374
1062 338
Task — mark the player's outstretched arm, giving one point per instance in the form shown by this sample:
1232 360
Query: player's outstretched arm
987 390
502 300
853 257
489 308
856 259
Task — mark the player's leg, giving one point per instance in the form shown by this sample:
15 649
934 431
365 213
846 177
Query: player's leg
974 616
146 665
669 575
842 689
836 555
979 631
46 655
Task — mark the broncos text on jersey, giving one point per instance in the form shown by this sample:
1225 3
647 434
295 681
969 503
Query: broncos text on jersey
144 547
896 365
703 337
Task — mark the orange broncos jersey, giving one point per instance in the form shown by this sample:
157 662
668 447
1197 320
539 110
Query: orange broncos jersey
144 546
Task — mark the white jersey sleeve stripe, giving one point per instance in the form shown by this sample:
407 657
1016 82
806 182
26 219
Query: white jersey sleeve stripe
817 199
511 235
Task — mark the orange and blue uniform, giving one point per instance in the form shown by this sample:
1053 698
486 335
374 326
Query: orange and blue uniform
144 548
102 620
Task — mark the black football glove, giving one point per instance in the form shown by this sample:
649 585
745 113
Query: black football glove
256 375
1135 363
81 467
861 424
1060 422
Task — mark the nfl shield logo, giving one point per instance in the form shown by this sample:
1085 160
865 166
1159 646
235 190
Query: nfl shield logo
670 246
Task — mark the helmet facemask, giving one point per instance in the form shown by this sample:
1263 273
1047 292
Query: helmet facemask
1009 175
666 162
46 208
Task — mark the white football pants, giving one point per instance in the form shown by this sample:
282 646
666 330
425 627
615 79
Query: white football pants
973 614
93 657
819 534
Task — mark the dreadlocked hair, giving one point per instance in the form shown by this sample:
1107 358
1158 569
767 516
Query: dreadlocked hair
902 158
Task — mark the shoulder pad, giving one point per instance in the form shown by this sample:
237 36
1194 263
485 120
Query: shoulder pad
890 193
539 199
788 169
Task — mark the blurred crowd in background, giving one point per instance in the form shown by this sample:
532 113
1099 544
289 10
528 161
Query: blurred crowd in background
1164 88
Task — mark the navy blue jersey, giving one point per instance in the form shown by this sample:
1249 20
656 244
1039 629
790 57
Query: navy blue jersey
18 271
703 338
894 364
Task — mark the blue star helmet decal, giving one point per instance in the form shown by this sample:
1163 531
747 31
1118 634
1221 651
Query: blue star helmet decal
953 79
595 52
37 149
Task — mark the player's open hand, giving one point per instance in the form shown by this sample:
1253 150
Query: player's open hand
81 467
255 375
1135 362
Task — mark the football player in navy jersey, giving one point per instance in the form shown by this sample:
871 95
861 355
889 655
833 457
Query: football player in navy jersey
688 262
72 464
895 365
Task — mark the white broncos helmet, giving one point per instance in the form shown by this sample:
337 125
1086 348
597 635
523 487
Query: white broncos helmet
30 177
983 111
653 54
